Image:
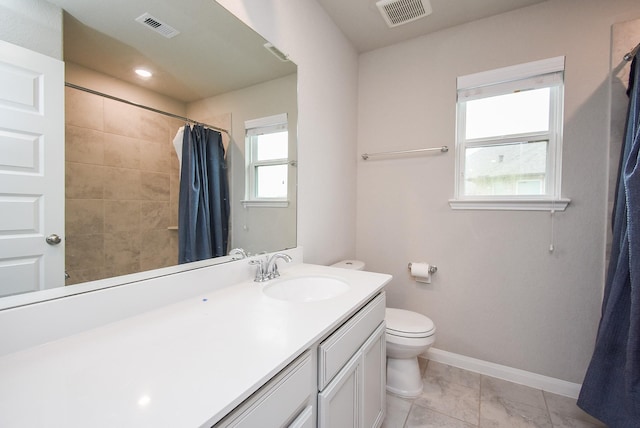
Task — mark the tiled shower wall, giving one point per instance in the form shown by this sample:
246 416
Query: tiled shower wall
121 188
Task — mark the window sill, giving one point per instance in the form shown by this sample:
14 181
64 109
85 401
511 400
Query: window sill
283 203
510 205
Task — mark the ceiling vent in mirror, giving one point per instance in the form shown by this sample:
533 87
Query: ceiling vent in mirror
156 25
276 52
398 12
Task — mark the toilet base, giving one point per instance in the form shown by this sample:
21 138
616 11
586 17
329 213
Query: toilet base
403 377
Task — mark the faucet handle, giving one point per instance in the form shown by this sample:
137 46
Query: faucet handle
260 270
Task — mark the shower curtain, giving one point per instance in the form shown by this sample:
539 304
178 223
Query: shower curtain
203 216
611 388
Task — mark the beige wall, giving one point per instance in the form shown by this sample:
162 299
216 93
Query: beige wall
121 188
499 294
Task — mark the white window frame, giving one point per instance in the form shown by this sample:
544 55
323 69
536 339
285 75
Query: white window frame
538 74
255 127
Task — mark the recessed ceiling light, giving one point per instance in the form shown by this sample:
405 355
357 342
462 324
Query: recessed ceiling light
143 73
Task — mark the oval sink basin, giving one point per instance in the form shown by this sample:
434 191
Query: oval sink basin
306 289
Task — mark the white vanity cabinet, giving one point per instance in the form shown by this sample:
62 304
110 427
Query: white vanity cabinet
349 382
284 401
351 371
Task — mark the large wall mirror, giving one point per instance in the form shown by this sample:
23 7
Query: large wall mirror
121 164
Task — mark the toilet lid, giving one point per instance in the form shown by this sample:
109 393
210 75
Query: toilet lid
408 323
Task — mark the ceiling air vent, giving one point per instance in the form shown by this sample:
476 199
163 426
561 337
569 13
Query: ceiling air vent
398 12
156 25
276 52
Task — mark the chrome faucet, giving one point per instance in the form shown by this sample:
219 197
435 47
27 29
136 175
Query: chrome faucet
267 269
272 266
238 254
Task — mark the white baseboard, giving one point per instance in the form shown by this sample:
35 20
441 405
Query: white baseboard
545 383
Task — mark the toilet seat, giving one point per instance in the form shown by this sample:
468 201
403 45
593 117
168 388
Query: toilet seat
408 324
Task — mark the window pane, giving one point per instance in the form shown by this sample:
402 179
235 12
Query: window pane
272 146
271 181
507 169
516 113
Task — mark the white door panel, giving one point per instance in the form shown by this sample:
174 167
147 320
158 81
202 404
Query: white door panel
31 170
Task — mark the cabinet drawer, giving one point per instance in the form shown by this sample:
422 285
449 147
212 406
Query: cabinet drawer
278 401
304 419
338 348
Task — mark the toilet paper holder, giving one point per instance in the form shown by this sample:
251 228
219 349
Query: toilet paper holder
432 268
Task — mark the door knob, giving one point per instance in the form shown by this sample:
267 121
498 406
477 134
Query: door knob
53 239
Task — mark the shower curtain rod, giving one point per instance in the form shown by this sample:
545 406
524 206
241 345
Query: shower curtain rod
131 103
629 55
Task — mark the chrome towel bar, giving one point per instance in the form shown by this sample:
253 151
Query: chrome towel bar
443 149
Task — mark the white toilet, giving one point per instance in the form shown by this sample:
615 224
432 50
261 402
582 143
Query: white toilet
408 334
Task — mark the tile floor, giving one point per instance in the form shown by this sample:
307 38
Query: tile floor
456 398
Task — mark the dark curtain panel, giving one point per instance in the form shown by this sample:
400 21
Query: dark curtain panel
203 217
611 388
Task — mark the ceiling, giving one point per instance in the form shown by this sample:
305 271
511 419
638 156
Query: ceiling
213 54
363 25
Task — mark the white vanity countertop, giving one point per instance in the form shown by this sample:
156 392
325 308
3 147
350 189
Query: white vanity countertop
183 365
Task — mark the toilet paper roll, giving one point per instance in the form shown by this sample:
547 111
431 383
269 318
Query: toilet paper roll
420 269
422 272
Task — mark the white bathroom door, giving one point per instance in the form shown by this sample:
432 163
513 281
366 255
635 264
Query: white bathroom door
31 170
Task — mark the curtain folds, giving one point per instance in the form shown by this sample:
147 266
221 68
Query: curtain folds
611 388
203 216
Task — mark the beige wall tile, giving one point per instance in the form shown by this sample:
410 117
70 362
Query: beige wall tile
174 198
83 181
84 216
122 119
84 145
156 249
154 186
173 245
154 215
175 163
84 252
83 109
120 163
134 122
122 253
153 127
123 152
121 216
122 184
154 157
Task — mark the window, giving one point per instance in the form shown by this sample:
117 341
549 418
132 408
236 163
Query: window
267 160
509 138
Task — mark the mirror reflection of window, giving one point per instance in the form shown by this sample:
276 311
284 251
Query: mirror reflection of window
267 148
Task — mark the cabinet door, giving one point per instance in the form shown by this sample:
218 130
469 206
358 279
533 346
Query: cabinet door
373 354
340 403
338 348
